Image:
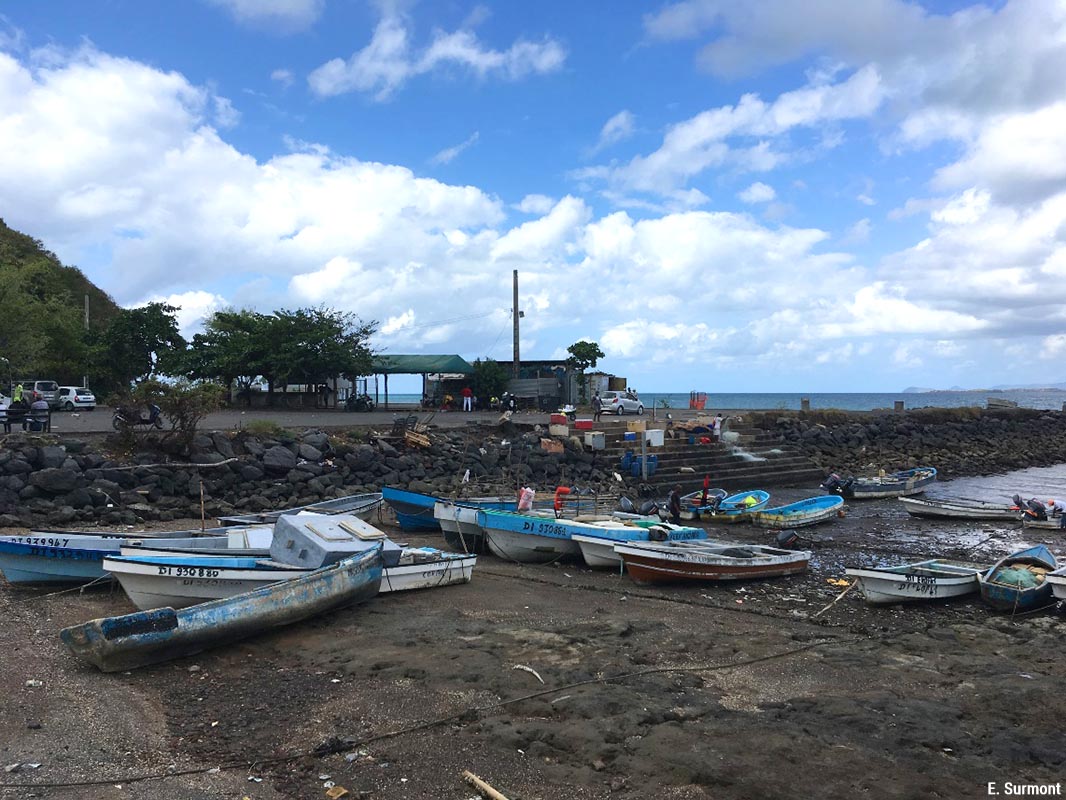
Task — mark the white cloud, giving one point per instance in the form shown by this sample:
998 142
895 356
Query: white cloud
535 204
858 233
617 128
448 154
387 62
757 193
283 76
194 307
290 14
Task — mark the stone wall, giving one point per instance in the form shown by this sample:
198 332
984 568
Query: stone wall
965 441
45 480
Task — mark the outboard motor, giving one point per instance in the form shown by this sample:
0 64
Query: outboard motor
626 505
832 483
1036 509
647 508
787 538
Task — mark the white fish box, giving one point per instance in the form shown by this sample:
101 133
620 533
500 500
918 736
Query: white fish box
558 430
595 440
311 541
654 438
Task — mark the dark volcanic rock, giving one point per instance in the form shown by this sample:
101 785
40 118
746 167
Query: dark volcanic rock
55 481
279 459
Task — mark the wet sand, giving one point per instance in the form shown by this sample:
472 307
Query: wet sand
725 691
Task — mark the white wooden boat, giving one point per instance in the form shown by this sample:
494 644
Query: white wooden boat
1052 524
923 580
897 484
666 562
1057 579
180 581
947 508
356 505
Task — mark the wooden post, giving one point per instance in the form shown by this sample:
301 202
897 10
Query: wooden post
203 516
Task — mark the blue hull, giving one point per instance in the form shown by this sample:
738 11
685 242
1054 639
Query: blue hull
150 637
414 511
31 563
1003 597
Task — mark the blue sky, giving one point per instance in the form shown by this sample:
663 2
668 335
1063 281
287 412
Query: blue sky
776 196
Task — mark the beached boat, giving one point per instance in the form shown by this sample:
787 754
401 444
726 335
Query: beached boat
738 507
458 520
801 513
177 581
897 484
922 580
597 545
71 557
948 508
1057 579
359 505
251 541
415 511
668 562
1054 523
695 504
149 637
1018 582
526 537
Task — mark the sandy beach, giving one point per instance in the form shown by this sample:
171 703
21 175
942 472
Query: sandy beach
558 681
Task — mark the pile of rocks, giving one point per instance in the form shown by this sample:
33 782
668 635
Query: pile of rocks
955 441
45 480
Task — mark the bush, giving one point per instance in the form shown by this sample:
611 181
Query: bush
266 428
184 404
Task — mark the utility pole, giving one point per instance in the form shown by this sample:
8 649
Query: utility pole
517 314
85 378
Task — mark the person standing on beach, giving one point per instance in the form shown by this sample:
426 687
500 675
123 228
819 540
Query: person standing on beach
597 407
468 398
1057 510
675 505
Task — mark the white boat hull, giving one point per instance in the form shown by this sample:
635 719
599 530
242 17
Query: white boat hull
946 510
1057 579
599 552
529 548
148 589
881 587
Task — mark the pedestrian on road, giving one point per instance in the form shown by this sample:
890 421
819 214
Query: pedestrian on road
468 398
597 407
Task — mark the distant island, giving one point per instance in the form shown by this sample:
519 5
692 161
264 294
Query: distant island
997 388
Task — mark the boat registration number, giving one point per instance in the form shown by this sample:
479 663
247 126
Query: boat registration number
45 541
920 584
549 528
189 572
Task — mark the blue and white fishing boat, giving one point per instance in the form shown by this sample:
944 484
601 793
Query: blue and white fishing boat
70 557
149 637
702 501
597 546
1019 582
528 538
177 581
897 484
739 507
414 510
801 513
358 505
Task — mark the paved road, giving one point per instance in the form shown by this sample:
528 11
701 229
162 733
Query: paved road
99 420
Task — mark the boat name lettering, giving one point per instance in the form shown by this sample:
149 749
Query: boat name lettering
199 582
47 541
189 572
922 584
53 552
544 527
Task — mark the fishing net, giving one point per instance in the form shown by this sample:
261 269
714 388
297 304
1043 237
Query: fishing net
1022 577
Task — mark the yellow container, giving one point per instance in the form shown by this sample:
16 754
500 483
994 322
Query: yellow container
636 425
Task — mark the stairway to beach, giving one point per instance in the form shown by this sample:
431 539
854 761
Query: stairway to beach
754 459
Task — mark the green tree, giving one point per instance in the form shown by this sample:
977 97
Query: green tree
183 404
489 379
583 354
140 343
234 348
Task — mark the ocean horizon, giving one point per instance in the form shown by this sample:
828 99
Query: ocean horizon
1045 399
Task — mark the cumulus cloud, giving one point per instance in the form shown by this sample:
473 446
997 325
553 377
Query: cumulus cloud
284 77
288 14
535 204
617 128
389 60
757 193
194 307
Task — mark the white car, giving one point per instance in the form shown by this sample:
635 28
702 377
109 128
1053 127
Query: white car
71 397
621 402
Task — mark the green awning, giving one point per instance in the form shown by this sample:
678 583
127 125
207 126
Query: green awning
419 365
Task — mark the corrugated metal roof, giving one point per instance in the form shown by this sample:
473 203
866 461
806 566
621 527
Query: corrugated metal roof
419 364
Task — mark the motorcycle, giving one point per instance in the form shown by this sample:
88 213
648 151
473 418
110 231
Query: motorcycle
127 417
359 402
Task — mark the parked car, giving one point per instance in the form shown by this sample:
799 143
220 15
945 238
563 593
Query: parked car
72 397
621 402
38 390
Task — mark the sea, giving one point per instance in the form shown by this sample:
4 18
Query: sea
1046 399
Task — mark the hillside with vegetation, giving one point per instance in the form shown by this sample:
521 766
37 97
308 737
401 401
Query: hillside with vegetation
42 305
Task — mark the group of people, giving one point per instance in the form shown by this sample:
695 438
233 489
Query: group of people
22 408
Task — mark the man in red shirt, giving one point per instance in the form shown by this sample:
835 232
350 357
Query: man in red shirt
468 398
